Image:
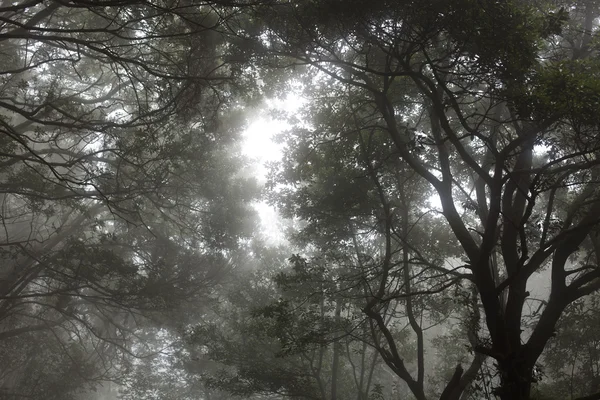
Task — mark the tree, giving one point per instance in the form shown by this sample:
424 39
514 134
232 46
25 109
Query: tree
119 182
277 336
572 360
492 105
386 256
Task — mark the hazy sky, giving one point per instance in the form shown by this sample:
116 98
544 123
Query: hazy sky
259 146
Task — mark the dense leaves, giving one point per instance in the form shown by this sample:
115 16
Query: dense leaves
484 105
120 188
440 178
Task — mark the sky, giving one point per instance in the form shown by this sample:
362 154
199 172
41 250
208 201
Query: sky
259 146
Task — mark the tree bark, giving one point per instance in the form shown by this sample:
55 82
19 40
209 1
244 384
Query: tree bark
515 379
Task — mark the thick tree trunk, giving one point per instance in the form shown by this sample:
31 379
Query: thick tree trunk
515 379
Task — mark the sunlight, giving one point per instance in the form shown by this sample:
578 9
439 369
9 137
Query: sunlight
259 145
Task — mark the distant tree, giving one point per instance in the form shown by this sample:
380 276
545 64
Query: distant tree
279 337
572 361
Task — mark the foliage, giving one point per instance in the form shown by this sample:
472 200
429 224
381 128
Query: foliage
119 179
572 359
279 340
409 101
445 162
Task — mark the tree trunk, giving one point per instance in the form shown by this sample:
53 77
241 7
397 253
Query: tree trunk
515 379
336 354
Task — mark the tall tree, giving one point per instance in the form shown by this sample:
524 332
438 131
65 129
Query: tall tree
493 106
119 180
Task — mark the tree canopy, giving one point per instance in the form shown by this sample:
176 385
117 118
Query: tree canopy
440 176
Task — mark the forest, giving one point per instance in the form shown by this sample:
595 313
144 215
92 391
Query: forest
437 190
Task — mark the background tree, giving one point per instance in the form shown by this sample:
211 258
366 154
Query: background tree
282 337
571 361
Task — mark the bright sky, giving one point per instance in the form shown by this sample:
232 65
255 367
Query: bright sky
259 146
